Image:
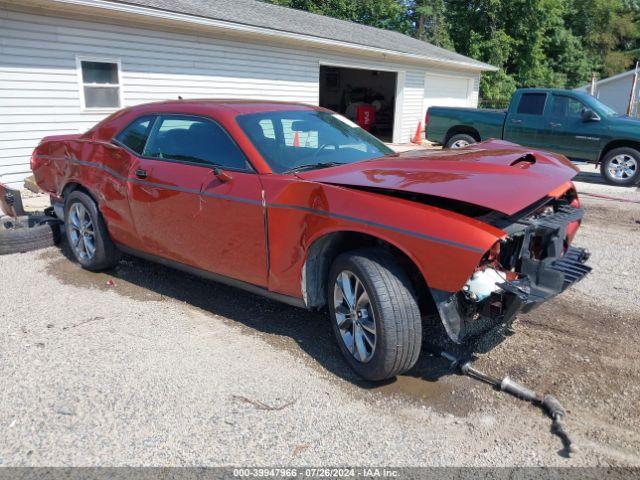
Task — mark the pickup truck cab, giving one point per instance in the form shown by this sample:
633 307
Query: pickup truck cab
571 123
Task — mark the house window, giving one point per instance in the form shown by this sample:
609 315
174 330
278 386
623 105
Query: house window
100 84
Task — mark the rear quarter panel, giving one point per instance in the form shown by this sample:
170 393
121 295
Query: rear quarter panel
488 123
59 162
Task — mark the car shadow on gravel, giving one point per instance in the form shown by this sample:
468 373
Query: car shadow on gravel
282 326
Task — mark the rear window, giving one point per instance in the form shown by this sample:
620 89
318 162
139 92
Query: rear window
136 134
532 103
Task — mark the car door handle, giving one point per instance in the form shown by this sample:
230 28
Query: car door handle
140 173
516 120
554 125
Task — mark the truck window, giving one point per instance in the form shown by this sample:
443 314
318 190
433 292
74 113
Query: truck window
532 103
566 107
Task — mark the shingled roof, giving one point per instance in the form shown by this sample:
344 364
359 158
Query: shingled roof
288 20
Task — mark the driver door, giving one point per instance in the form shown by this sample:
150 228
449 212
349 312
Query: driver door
571 135
197 201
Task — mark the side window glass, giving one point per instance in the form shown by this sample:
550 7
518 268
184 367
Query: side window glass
532 103
566 107
136 134
194 139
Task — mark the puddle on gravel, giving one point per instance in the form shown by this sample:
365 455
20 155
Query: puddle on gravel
70 273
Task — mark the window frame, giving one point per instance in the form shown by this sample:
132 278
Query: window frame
119 143
544 105
158 116
82 85
558 95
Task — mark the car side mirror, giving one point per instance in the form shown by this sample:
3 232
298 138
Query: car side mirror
589 115
223 176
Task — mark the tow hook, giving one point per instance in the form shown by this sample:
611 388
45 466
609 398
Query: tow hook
548 403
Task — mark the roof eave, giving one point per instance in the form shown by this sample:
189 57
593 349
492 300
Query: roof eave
267 32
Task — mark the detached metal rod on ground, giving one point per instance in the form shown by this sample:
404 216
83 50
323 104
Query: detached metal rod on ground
548 403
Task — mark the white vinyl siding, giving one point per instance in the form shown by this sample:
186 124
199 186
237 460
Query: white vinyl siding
40 89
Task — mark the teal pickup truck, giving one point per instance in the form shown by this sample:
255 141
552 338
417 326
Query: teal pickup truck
568 122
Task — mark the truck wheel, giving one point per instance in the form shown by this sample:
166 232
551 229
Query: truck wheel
87 233
27 233
374 314
460 140
621 166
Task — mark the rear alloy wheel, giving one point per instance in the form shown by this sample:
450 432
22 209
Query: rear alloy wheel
87 233
460 140
621 166
374 313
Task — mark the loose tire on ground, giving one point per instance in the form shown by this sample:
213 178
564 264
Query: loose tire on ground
106 254
27 233
460 140
398 324
621 166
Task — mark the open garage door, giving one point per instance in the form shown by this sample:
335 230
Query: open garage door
447 91
368 97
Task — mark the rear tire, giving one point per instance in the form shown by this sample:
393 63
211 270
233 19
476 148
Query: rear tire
87 233
460 140
621 166
390 309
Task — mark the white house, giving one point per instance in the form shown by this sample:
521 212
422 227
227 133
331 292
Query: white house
66 64
615 91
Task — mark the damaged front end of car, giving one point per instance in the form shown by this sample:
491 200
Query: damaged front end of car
532 263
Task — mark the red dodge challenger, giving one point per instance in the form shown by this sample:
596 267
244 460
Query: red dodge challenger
299 204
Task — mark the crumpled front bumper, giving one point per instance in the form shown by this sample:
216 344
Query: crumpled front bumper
548 281
537 251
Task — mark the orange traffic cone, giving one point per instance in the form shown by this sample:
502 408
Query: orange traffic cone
296 139
417 137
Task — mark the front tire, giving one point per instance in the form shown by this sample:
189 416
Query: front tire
621 166
374 314
87 233
460 140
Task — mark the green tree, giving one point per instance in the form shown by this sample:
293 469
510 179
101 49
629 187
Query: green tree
526 39
609 30
429 21
387 14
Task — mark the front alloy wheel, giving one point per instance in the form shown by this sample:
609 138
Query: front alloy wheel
621 166
354 316
374 313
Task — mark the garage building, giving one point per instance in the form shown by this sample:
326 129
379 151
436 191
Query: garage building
66 64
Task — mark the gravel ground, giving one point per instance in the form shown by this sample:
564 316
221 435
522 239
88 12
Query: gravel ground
144 365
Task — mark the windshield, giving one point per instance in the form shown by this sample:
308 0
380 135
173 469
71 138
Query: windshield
308 139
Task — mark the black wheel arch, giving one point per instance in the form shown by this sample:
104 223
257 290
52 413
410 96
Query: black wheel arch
76 186
325 249
458 129
620 143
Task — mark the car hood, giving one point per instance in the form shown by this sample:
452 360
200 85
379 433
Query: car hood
496 175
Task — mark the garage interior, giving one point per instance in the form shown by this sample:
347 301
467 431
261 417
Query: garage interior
367 97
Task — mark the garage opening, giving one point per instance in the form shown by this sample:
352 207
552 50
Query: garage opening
367 97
